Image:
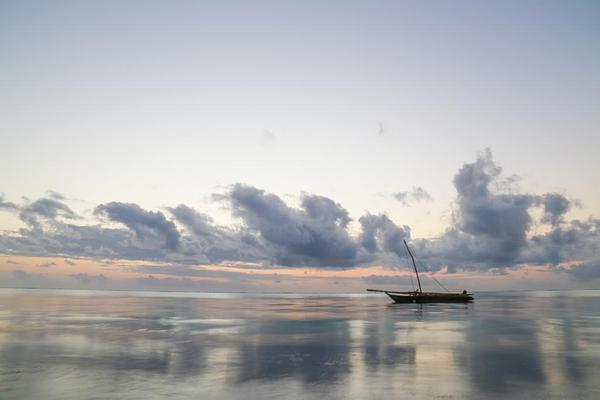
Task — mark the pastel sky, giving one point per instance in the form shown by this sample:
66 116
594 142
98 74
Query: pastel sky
278 145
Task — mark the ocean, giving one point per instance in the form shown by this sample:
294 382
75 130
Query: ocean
64 344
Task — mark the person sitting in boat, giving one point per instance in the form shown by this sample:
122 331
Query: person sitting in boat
464 292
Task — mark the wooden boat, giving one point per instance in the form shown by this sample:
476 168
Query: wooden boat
426 297
419 296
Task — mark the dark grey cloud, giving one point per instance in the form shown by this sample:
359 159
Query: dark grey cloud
201 225
586 271
7 205
145 236
575 240
96 242
65 239
215 243
147 225
48 209
492 225
491 230
379 233
498 222
416 195
555 207
314 234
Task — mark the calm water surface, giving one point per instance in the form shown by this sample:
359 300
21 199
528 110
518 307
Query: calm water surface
128 345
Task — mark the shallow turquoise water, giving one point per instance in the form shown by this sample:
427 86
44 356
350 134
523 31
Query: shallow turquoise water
141 345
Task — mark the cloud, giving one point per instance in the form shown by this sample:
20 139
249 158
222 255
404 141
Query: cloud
379 233
490 230
492 225
12 262
214 243
46 208
555 207
388 280
55 195
200 273
268 138
498 221
65 239
49 208
7 205
147 225
87 278
46 265
586 271
201 225
417 195
70 262
315 234
380 131
20 274
569 241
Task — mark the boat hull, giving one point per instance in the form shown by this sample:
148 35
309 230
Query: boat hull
431 298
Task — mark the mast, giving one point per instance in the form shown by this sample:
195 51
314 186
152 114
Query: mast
414 265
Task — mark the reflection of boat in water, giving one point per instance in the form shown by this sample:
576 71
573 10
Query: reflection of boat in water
419 296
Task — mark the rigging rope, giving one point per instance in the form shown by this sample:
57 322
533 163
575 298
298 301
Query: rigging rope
439 283
425 268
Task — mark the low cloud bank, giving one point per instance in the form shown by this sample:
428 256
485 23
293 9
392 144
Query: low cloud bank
491 229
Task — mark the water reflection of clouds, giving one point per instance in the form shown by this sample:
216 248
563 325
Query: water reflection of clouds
347 347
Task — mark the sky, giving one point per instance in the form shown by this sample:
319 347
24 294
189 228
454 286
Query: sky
265 146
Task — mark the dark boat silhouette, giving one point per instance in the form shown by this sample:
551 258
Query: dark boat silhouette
419 296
